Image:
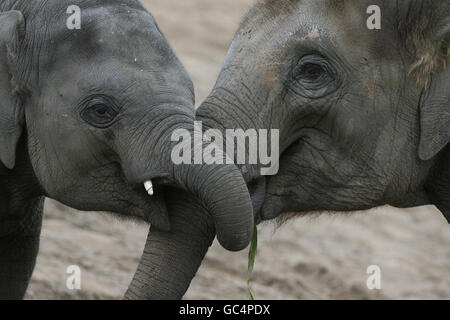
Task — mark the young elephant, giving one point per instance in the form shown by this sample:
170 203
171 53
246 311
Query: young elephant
86 117
363 114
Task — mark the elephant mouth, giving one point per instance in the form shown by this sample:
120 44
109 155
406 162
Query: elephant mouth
257 190
153 197
267 205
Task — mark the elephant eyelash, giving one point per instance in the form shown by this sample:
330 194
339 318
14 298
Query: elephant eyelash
88 100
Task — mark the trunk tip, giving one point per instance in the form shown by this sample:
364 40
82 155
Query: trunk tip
237 242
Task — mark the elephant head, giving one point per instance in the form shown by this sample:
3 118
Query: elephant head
93 110
362 113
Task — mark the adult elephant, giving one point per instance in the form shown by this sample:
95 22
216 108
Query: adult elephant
86 117
363 114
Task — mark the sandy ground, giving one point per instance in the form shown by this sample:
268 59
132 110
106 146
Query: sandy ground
309 258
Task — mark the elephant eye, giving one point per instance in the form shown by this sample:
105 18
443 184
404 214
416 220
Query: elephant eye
313 76
99 113
310 72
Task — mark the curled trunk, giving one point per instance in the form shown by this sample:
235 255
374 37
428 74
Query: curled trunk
208 199
223 192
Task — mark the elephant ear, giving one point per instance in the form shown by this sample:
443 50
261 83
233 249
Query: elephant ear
435 109
435 116
11 113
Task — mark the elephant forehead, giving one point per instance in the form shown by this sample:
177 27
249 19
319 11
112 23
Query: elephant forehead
117 25
337 25
111 31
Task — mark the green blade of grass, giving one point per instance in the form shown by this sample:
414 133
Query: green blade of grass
251 261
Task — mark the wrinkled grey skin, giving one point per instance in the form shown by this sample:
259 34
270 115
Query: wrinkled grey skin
363 114
86 117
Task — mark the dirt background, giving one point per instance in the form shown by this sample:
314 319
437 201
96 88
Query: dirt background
309 258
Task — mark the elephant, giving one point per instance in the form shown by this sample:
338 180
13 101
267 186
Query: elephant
362 113
86 117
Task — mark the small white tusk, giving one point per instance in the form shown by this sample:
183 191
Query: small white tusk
149 187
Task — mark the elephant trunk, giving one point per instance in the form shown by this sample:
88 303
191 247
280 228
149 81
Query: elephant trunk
220 187
223 192
222 204
171 259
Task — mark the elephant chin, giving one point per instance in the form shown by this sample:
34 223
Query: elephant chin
271 208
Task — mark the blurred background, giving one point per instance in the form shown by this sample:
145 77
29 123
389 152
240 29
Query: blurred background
323 257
